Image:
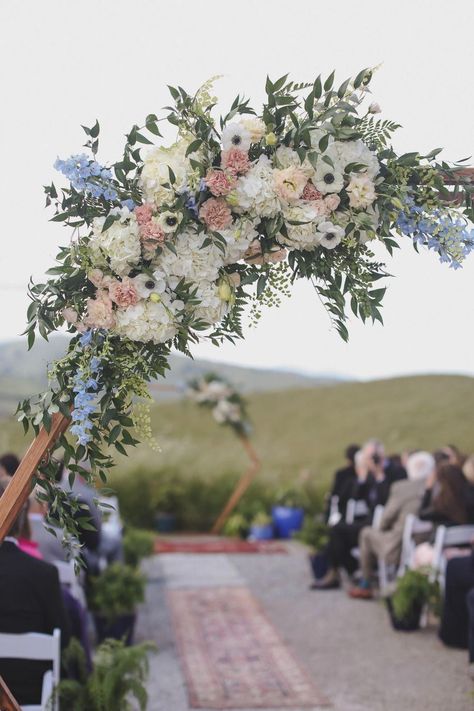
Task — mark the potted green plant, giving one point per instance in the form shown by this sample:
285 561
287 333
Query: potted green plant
288 512
117 680
137 544
413 591
166 499
113 598
315 535
261 527
236 526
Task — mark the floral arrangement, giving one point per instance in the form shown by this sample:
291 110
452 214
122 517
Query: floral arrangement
172 242
227 405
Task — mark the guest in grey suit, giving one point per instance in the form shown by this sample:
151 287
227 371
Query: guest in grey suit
386 542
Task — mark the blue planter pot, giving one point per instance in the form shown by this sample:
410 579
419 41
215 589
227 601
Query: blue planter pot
261 533
287 520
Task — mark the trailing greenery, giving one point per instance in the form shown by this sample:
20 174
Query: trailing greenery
116 591
117 681
137 544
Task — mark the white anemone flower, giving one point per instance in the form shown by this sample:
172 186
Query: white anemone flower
146 284
327 179
330 235
235 135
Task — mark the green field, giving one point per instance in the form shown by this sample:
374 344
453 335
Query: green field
299 435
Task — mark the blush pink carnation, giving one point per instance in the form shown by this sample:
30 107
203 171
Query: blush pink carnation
219 183
152 232
235 161
216 214
99 311
143 213
123 293
310 192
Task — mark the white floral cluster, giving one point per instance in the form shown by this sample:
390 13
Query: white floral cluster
147 254
220 397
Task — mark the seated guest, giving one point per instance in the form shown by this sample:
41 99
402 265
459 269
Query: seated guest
25 540
31 601
49 545
374 477
386 542
444 501
343 480
468 471
8 465
453 455
455 625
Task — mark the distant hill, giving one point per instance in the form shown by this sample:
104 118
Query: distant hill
23 373
302 432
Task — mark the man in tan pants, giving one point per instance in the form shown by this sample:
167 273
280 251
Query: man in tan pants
386 542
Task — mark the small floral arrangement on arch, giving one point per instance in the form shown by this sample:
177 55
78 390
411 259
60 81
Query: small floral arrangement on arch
227 405
171 242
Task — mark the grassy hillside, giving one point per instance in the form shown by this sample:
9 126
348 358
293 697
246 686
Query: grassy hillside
23 373
303 432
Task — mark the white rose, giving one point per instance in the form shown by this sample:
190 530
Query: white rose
361 191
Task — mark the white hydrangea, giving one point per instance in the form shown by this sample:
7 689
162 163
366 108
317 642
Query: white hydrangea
211 308
191 260
155 171
238 238
286 157
148 321
345 152
254 191
304 236
119 244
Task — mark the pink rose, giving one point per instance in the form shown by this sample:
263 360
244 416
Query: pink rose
219 183
143 213
310 192
99 311
216 214
123 293
235 161
332 202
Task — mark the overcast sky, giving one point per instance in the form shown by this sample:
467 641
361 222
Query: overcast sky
65 64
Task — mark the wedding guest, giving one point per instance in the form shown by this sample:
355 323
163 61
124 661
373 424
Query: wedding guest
468 471
455 623
31 601
386 542
444 500
343 480
8 465
444 503
374 477
49 544
453 454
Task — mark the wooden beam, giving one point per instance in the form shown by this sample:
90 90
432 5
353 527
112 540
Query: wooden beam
19 486
7 702
242 486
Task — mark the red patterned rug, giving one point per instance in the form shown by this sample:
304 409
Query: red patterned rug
232 656
223 545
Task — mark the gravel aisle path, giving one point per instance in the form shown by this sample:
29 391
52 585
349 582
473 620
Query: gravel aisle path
348 645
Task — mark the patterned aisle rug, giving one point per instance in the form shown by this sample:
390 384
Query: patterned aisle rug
223 545
232 656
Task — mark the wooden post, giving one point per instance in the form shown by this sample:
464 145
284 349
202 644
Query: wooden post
7 702
242 486
19 486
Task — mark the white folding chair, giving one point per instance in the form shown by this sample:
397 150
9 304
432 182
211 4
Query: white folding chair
447 536
69 578
38 647
334 513
356 508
